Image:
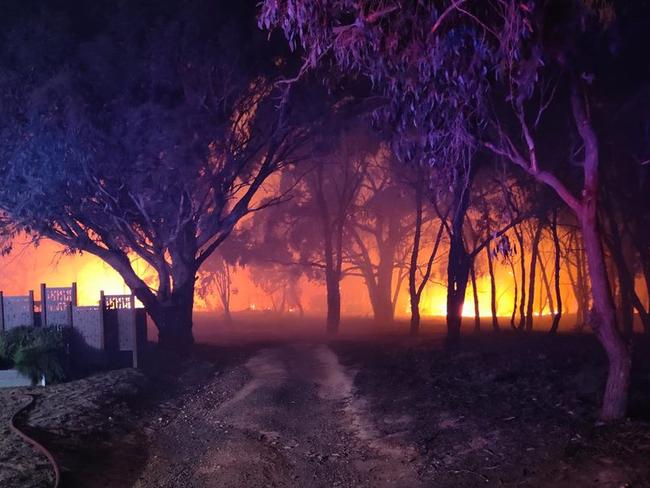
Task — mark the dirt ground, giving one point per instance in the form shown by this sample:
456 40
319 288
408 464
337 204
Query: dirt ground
302 411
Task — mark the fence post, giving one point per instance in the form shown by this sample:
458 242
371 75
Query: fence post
134 330
74 293
102 308
2 313
43 305
31 306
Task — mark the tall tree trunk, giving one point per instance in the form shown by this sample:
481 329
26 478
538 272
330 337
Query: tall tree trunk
333 301
514 298
477 315
458 276
629 298
604 316
332 257
585 207
625 281
384 313
547 287
558 292
380 299
413 292
574 288
458 266
534 252
644 257
227 316
173 318
301 309
604 324
493 288
522 301
581 316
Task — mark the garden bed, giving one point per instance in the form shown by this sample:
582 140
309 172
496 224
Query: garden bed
12 378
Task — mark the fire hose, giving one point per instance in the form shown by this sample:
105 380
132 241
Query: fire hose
33 442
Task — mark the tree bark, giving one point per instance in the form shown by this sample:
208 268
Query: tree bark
514 298
522 301
629 298
581 315
227 316
493 288
333 302
585 207
457 278
558 292
413 292
604 325
534 252
332 257
477 315
171 308
547 286
384 310
173 318
604 316
458 266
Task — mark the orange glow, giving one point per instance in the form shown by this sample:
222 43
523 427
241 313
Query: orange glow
29 266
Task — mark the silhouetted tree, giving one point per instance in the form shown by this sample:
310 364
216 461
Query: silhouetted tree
412 54
215 277
147 137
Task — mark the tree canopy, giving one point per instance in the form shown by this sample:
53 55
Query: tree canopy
147 138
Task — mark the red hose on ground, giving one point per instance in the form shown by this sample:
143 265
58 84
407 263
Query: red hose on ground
34 443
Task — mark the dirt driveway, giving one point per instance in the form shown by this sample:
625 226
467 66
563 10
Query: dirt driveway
506 410
294 421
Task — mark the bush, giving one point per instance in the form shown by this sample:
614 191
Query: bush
35 352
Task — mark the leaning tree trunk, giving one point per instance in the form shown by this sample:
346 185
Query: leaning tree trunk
603 316
547 287
604 324
413 267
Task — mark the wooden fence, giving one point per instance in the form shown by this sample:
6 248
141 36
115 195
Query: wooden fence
113 331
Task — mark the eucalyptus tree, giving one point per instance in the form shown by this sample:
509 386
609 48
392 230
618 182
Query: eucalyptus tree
379 228
310 231
435 62
141 131
216 278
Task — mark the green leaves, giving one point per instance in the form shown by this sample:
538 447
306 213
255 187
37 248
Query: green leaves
36 352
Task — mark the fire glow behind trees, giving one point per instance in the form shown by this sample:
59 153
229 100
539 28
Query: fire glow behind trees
380 158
